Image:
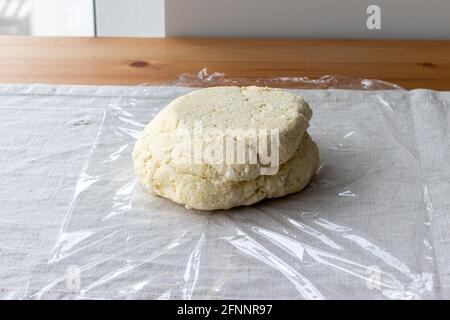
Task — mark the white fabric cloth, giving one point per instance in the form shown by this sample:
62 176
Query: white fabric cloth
47 133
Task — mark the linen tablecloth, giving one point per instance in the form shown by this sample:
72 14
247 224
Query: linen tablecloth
47 134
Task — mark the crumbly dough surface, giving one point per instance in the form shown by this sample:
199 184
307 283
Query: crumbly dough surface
211 186
221 108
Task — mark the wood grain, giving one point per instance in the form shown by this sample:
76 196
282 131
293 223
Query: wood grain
411 64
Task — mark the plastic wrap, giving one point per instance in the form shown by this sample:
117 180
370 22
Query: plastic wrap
359 230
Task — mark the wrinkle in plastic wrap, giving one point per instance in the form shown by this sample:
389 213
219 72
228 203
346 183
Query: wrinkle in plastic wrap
359 230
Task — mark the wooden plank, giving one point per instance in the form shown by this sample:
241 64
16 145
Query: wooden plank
411 64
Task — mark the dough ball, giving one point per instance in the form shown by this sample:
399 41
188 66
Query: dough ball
165 171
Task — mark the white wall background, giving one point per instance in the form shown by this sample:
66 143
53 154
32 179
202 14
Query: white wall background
62 18
407 19
307 18
135 18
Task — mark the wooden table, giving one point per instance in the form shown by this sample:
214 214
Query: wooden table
411 64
